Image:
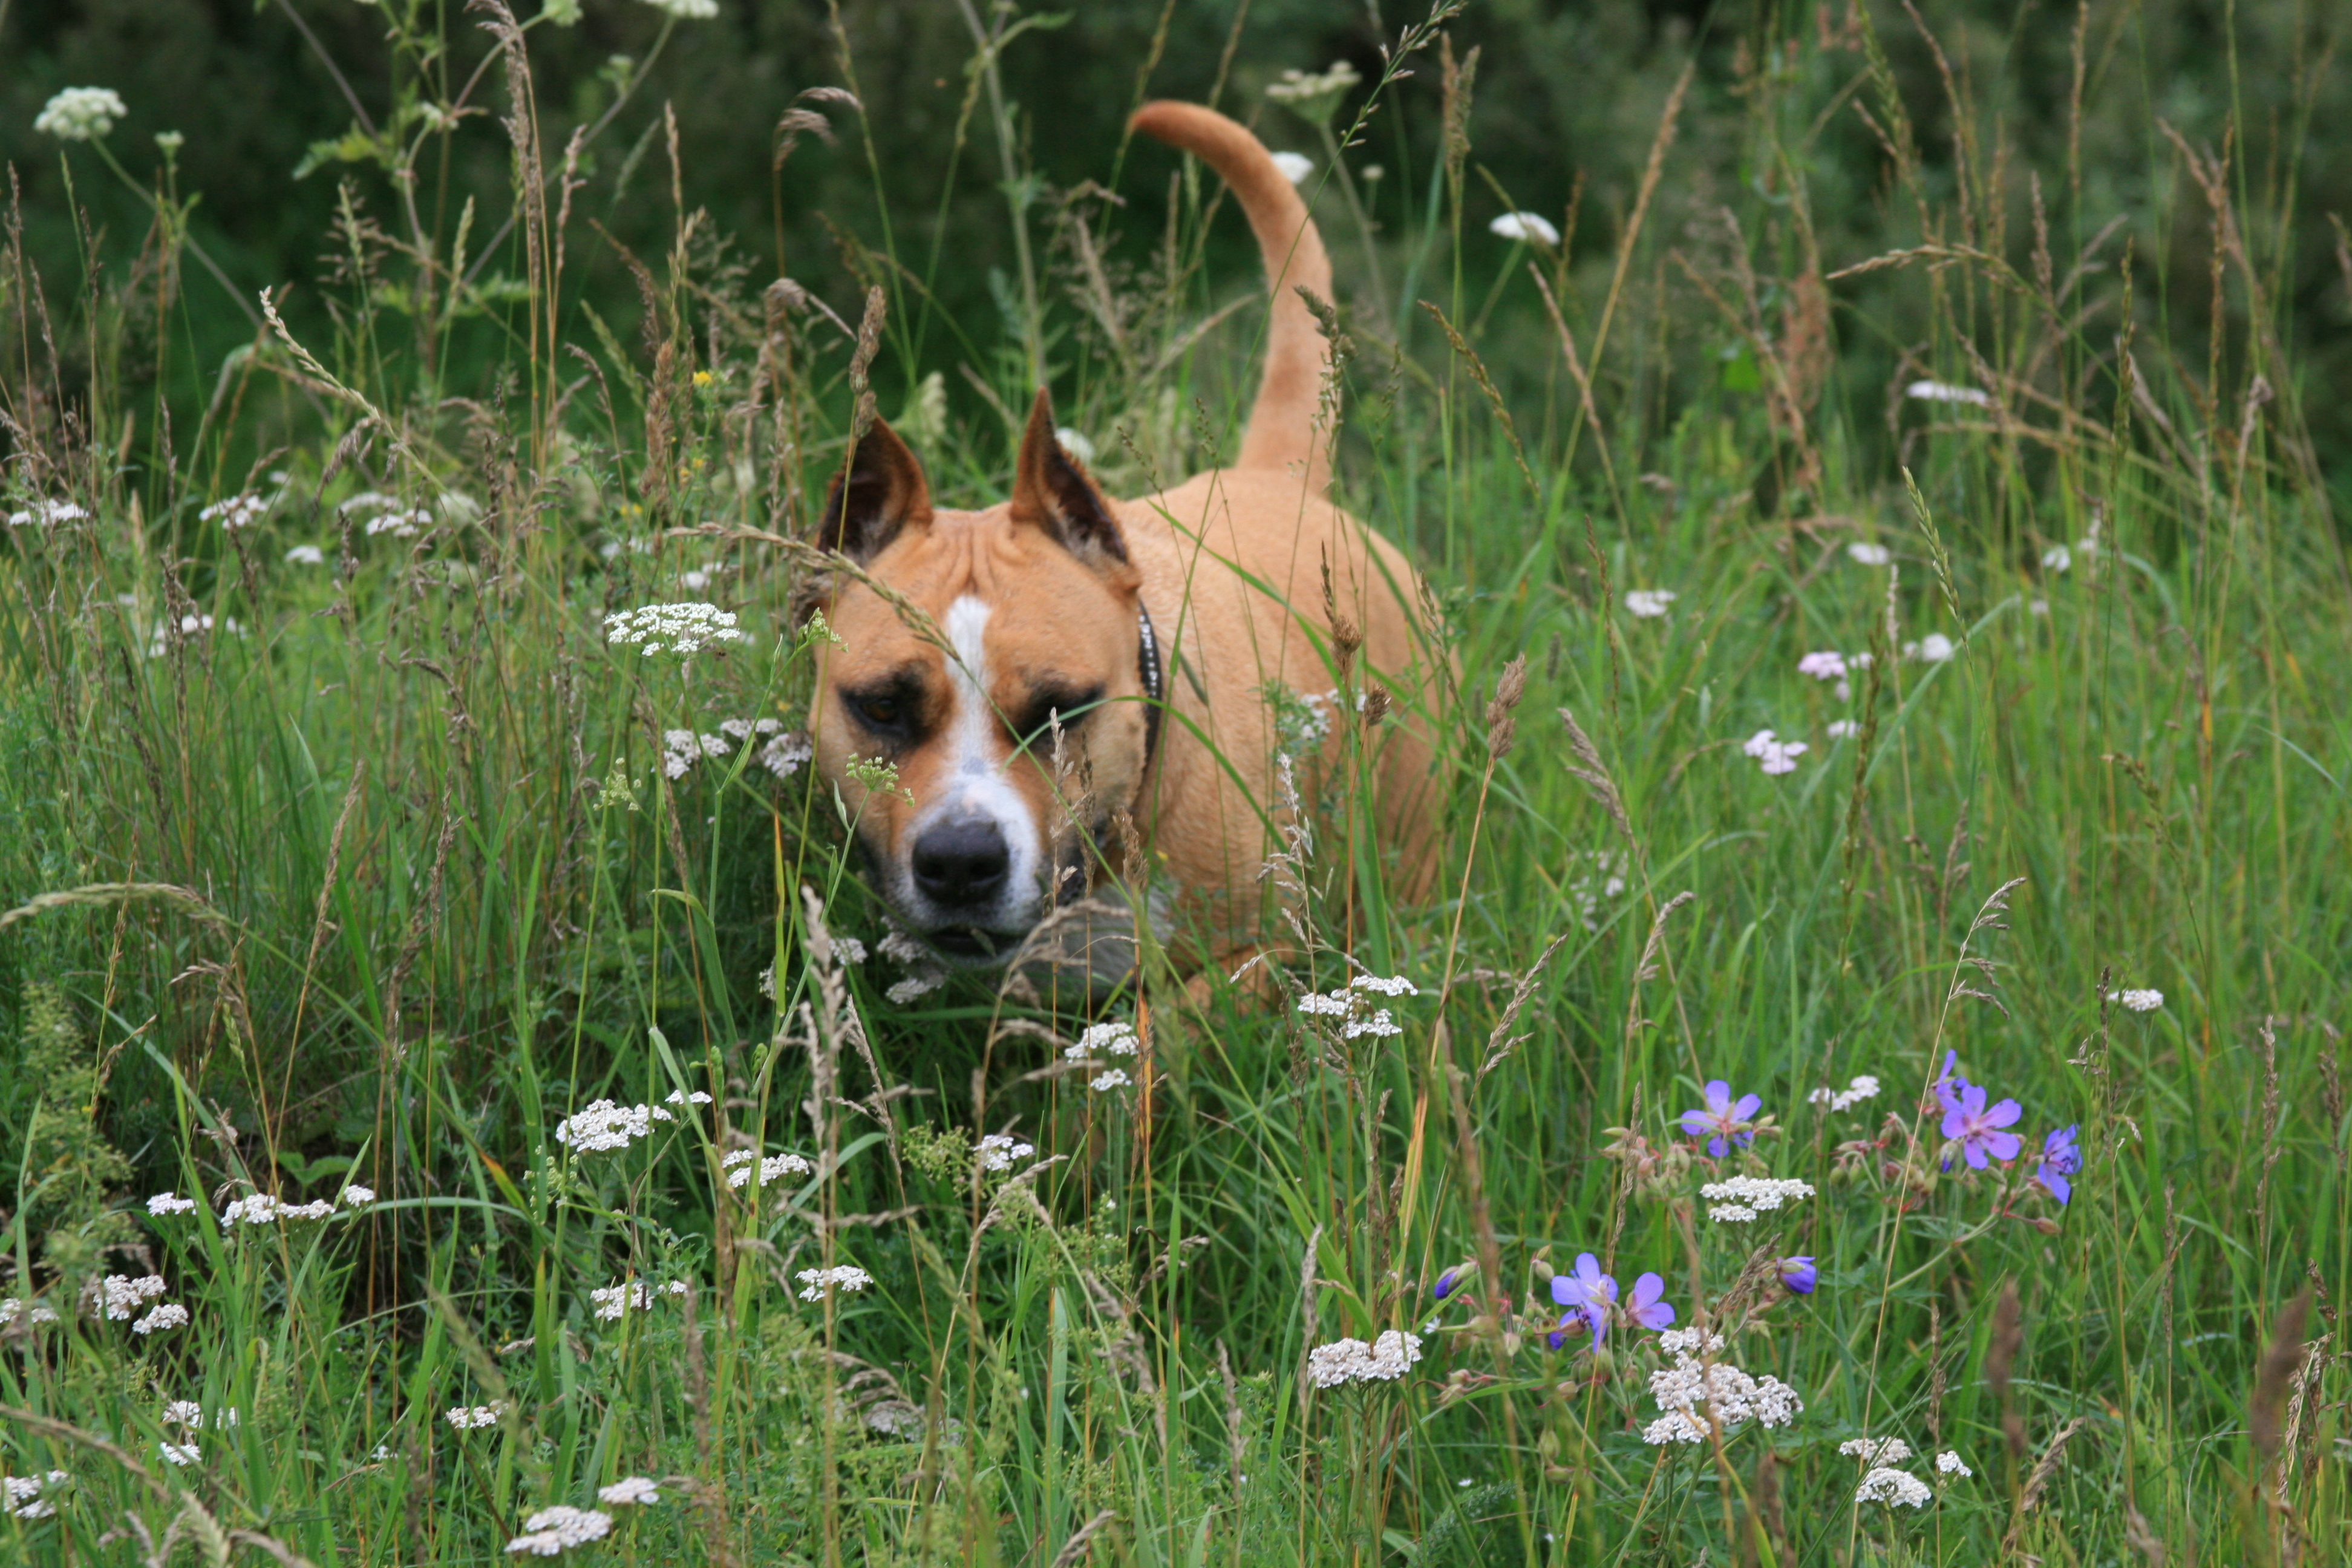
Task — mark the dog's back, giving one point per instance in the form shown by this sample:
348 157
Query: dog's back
1269 521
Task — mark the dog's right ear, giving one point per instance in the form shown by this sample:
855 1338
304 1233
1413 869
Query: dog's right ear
882 494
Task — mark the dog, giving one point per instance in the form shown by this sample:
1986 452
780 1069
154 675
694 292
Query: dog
1062 682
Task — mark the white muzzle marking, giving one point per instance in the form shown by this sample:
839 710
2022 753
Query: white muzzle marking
974 785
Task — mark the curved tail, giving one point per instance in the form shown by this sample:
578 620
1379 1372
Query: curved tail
1282 433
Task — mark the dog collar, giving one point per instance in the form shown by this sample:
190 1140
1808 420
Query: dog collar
1155 682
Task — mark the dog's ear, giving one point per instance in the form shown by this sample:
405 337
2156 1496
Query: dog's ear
1052 492
882 493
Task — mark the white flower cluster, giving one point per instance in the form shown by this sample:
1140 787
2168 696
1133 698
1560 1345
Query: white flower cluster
998 1151
81 113
120 1296
1295 166
681 1097
169 1204
1861 1087
2057 558
738 1166
1648 604
1602 876
686 10
400 524
24 1499
1697 1397
1875 1452
180 1453
630 1492
1773 755
261 1208
1945 392
1892 1487
680 629
2140 1001
818 1283
1102 1083
47 514
164 1315
306 555
159 641
356 1197
614 1301
1933 648
1741 1198
1829 666
183 1413
32 1312
1349 1003
1949 1463
470 1417
1529 227
1118 1038
605 1125
781 754
237 511
1384 1360
554 1530
1868 554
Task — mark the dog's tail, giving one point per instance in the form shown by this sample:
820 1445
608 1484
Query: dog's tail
1282 431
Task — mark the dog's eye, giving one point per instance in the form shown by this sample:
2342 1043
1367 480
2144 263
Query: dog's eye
881 710
1035 725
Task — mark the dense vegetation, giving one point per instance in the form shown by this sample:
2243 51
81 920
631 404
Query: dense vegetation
1958 402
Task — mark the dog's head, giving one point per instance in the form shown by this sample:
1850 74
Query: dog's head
1004 685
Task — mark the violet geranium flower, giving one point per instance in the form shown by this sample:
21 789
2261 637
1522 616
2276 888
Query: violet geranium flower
1644 1309
1722 1122
2059 1159
1976 1127
1799 1275
1588 1293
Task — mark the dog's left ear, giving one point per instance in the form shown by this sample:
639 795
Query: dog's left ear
1052 492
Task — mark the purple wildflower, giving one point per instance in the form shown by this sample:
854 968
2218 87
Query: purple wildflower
1721 1122
1588 1293
1799 1275
1453 1280
2059 1160
1977 1129
1644 1310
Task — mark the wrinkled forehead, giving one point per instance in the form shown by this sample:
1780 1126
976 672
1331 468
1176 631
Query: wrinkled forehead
992 596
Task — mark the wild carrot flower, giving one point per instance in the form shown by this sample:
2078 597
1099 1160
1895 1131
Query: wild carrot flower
1978 1128
2059 1160
1588 1293
1799 1275
1723 1121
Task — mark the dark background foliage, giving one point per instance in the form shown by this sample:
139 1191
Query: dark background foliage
1567 94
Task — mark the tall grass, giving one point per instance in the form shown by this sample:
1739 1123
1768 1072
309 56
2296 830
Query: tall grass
371 870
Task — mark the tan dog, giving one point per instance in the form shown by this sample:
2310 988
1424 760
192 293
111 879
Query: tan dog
1134 640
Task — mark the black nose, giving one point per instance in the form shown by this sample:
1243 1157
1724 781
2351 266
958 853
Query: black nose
961 863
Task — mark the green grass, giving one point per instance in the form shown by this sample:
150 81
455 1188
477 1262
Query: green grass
382 884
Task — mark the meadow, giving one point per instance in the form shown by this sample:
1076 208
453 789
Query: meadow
1866 1091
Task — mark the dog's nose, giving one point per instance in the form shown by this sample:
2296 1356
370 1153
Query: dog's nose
961 863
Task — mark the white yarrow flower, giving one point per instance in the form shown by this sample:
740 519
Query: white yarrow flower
1648 604
24 1497
1773 754
1945 392
1696 1396
237 511
605 1126
630 1492
1861 1087
998 1151
180 1453
1893 1487
1949 1463
1527 227
170 1315
1869 554
2057 558
169 1204
553 1529
306 555
356 1197
1118 1038
1102 1083
80 113
472 1417
2141 1000
682 629
818 1283
1827 665
1875 1452
1933 648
